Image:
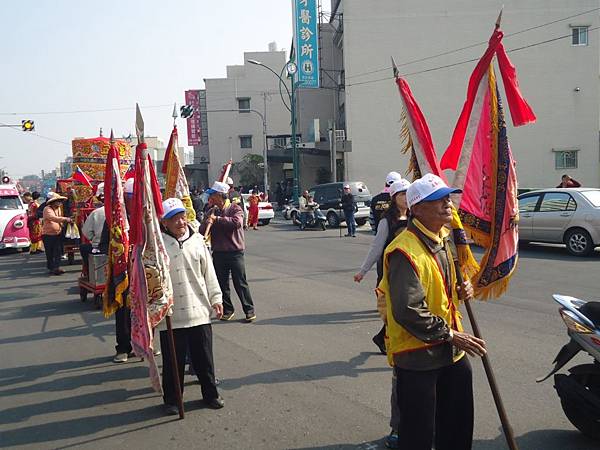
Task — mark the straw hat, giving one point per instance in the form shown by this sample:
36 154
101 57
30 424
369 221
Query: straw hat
55 198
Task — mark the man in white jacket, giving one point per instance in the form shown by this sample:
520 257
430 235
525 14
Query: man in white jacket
195 293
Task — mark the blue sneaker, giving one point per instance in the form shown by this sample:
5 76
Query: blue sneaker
392 441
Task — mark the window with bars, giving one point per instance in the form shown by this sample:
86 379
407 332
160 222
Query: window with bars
565 159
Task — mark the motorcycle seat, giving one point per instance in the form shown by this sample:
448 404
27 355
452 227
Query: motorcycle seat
591 310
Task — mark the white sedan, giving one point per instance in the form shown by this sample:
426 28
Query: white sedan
265 210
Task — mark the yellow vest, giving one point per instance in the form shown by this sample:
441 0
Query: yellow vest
440 302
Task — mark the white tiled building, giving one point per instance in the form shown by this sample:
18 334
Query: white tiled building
560 79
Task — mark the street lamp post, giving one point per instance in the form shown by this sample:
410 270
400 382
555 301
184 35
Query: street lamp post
291 69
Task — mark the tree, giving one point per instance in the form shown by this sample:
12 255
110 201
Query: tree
250 169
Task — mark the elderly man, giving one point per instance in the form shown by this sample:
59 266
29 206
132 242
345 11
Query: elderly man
92 230
426 343
195 293
226 221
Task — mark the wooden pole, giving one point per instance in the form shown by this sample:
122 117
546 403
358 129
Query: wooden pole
178 393
487 366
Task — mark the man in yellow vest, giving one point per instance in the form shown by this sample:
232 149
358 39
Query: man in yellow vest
426 344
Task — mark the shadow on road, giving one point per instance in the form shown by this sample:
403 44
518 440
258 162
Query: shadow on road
541 439
310 372
80 427
343 317
553 252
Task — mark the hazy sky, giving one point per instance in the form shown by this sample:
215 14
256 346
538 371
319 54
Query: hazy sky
69 55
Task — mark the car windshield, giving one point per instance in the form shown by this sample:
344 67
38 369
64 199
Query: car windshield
593 197
10 202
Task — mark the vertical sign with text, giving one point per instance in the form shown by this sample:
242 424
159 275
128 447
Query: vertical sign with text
194 131
306 42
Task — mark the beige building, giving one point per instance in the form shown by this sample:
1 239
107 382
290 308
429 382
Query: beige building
559 78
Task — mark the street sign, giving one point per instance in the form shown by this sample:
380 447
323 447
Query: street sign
306 42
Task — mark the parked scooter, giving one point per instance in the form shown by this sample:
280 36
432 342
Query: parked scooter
579 391
315 218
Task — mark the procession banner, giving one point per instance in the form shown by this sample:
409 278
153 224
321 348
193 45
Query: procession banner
176 184
485 169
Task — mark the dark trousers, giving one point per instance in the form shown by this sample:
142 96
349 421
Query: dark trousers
85 250
233 262
436 402
54 250
123 330
350 223
198 341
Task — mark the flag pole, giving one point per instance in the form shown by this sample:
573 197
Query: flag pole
139 127
487 366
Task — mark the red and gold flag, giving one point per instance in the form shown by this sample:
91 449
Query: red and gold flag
176 184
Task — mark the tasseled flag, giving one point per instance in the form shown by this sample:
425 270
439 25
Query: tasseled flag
176 184
485 168
151 293
423 159
117 283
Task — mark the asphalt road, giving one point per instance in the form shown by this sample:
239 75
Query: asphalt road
305 375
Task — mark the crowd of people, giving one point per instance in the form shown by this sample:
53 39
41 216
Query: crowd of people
418 286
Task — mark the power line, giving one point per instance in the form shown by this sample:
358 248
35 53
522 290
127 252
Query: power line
465 61
472 45
31 133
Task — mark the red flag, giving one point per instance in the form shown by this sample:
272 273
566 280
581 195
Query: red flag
151 293
485 169
117 282
80 176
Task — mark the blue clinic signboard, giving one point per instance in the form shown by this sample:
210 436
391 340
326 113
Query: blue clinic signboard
306 41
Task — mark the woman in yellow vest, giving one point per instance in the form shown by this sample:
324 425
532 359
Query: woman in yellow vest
426 344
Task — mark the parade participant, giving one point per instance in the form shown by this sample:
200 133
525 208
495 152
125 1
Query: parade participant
567 182
92 230
52 232
253 202
392 224
195 293
27 198
426 343
304 209
228 245
381 202
34 224
349 207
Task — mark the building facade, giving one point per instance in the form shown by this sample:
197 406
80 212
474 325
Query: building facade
553 44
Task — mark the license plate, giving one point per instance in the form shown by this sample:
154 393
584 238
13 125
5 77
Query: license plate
360 204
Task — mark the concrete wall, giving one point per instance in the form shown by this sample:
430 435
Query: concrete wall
224 128
411 30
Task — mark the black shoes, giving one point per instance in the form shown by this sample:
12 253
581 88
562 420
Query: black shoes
171 410
215 403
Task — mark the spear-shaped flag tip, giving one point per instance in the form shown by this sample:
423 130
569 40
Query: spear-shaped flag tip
499 19
139 124
395 68
112 136
174 111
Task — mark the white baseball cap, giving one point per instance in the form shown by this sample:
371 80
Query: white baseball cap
229 181
49 195
172 206
100 190
427 189
392 177
399 186
128 188
218 186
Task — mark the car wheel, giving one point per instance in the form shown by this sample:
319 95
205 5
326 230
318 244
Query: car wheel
294 217
333 220
579 242
265 221
360 222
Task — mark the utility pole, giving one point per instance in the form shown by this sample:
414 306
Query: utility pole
265 145
333 150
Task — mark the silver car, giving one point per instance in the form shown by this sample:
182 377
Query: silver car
570 216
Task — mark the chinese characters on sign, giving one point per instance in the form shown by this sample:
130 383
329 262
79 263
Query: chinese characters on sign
192 98
306 42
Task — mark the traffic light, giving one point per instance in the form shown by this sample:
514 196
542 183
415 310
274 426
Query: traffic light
187 111
27 125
